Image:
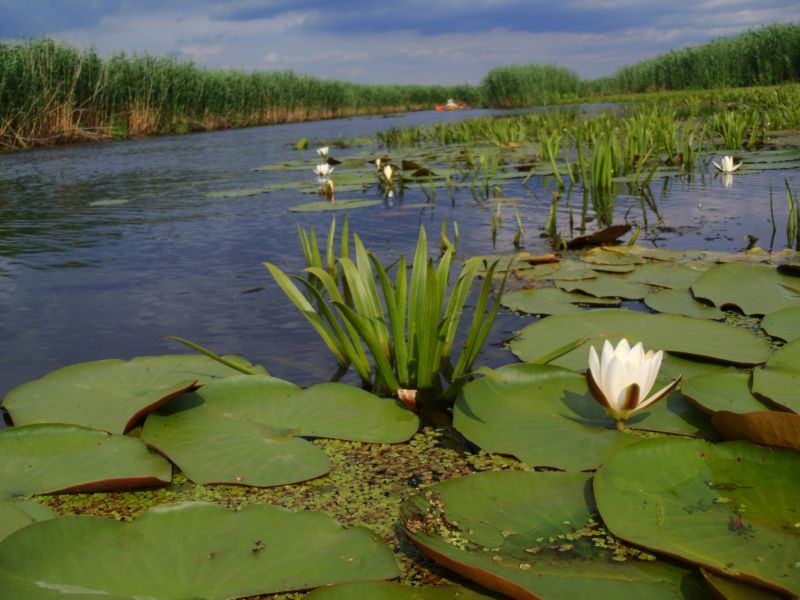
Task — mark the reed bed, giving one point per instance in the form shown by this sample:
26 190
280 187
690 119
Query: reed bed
763 56
530 85
759 56
51 92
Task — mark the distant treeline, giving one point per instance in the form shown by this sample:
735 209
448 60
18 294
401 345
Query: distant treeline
52 92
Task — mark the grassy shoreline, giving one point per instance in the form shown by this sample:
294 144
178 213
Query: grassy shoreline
52 93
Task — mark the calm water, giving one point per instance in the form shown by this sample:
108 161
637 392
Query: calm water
103 248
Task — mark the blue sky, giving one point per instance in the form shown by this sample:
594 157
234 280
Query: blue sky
394 41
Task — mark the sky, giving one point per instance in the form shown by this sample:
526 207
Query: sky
393 41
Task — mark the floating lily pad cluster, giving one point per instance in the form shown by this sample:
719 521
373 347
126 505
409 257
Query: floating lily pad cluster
78 429
664 508
731 508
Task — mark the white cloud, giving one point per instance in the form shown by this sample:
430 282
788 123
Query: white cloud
287 41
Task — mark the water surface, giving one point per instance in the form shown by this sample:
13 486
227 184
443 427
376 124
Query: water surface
104 248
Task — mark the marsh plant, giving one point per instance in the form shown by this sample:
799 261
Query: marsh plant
399 335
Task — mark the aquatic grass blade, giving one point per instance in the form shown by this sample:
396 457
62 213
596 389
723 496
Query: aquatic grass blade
311 315
210 354
383 367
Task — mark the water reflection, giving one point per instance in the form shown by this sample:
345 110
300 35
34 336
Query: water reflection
104 248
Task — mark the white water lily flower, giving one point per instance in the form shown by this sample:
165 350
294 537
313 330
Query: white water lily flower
388 172
727 165
323 151
323 170
621 378
377 163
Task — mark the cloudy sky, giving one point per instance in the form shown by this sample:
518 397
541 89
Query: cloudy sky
394 41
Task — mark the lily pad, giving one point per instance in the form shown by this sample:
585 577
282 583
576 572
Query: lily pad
681 302
665 275
613 256
673 333
568 270
245 430
550 301
753 289
384 590
765 427
779 379
618 269
192 550
542 415
520 534
722 391
45 459
16 514
728 507
325 205
733 589
783 324
112 395
607 286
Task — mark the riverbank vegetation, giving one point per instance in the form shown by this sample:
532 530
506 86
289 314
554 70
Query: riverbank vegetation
54 93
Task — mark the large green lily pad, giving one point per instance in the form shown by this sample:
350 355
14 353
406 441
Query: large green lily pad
665 275
731 507
754 289
16 514
783 324
550 301
681 302
525 535
722 391
192 550
612 255
112 395
545 416
44 459
607 286
246 429
779 379
542 415
674 333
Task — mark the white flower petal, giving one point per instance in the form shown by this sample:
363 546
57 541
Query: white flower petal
594 365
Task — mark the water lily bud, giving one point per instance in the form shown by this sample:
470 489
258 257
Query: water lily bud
323 151
388 172
621 378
